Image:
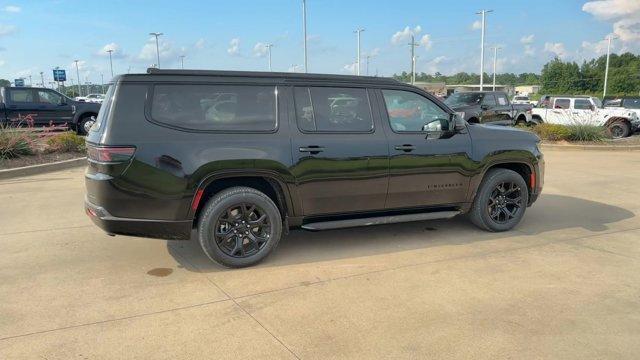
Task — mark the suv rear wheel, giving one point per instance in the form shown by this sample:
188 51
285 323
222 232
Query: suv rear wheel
501 201
239 227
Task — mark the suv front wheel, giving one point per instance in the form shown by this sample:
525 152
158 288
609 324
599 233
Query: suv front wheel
501 201
239 227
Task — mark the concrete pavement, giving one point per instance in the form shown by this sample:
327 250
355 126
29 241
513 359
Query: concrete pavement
564 284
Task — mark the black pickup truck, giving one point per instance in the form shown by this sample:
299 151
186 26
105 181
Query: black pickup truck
489 107
30 106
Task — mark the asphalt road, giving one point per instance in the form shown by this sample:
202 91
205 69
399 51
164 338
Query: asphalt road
565 284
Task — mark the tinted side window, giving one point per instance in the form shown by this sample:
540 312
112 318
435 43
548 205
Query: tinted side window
562 104
410 112
22 96
215 107
632 103
333 109
489 100
49 97
582 104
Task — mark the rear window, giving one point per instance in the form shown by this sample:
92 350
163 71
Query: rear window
562 104
215 107
582 104
328 109
105 109
22 96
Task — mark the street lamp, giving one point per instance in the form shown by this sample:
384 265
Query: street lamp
358 31
269 46
78 76
157 34
110 61
483 13
606 69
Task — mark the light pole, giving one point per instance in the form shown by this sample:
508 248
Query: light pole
304 33
110 61
606 69
269 46
182 61
495 62
30 82
78 76
157 34
42 77
483 13
413 45
358 31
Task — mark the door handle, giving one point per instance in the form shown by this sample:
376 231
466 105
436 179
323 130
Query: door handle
312 149
405 147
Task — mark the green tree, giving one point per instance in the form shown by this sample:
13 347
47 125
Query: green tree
5 82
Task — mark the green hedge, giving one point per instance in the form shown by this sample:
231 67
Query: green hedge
555 132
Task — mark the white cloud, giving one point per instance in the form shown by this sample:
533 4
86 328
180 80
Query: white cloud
116 54
234 47
294 68
557 49
425 41
595 48
148 52
200 44
7 29
2 62
405 35
625 15
373 53
527 39
529 50
435 65
260 50
477 25
350 68
12 9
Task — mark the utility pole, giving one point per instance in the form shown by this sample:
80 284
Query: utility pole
495 62
304 32
606 69
110 61
358 31
42 77
182 61
413 45
483 13
269 46
157 34
78 76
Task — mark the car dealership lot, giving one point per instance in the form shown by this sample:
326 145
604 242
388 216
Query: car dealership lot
565 284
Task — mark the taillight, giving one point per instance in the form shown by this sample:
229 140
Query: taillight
110 154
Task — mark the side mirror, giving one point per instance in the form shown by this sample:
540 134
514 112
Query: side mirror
457 123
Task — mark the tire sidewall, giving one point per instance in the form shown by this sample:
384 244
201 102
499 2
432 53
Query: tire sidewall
217 205
623 126
488 186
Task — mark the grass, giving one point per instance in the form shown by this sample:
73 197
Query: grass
574 133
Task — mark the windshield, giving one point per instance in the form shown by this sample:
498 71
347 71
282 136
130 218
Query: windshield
597 102
463 99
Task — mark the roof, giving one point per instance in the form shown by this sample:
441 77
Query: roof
272 75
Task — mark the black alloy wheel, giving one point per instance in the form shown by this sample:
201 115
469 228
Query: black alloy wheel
505 202
242 230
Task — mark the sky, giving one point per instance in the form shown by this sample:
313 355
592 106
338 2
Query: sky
39 35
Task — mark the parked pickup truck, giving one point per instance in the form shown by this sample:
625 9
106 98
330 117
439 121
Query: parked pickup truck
41 106
489 107
585 110
629 103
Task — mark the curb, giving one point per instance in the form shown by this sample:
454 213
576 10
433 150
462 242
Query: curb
42 168
591 147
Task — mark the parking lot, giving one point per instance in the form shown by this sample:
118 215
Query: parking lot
565 284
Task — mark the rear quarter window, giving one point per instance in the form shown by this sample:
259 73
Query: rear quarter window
215 107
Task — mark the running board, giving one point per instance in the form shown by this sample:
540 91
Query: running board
379 220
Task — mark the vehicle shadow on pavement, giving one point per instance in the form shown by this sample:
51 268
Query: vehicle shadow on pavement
550 213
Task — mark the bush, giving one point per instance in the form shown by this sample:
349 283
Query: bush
66 142
552 132
586 133
15 143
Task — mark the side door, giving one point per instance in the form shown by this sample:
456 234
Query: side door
22 107
583 112
340 155
504 110
559 113
488 108
53 107
424 170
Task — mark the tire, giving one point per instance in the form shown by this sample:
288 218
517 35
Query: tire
225 216
521 121
489 193
85 124
619 129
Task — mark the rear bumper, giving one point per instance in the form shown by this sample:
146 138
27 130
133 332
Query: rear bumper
160 229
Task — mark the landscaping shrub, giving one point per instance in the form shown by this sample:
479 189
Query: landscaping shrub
14 143
552 132
586 133
66 142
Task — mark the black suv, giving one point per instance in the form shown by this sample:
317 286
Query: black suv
245 156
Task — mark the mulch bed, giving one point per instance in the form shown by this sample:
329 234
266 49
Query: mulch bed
42 158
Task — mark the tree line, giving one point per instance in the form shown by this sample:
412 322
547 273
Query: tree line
559 77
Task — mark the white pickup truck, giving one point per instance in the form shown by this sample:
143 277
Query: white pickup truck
569 110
